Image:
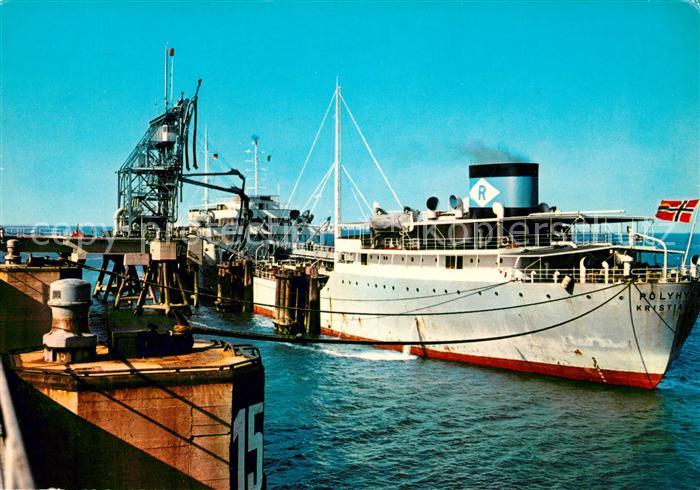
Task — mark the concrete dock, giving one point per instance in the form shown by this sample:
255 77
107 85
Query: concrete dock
177 410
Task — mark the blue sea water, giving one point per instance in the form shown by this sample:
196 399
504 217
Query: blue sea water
360 417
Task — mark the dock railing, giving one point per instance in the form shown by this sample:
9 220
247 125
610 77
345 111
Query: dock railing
15 471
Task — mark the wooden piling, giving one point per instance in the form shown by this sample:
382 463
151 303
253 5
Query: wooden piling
312 314
235 286
248 299
297 301
282 299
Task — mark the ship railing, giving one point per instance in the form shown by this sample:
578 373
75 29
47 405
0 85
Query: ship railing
486 242
425 243
15 471
312 247
601 276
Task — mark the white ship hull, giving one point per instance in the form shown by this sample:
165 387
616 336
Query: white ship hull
264 294
627 341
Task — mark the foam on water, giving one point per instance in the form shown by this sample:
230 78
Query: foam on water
369 354
350 352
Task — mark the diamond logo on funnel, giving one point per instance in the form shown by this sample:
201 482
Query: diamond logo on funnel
483 192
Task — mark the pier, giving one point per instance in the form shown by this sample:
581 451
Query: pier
151 407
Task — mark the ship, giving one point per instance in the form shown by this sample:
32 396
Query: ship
258 226
514 284
499 278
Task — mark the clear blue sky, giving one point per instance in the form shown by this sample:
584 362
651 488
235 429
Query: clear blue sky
605 96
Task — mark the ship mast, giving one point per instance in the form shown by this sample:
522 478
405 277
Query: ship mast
206 168
337 160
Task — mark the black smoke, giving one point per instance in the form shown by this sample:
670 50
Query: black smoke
479 152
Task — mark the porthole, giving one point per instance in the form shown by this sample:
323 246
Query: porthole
621 298
445 291
459 292
434 291
549 297
520 294
588 296
375 285
407 289
417 290
384 286
393 288
479 293
471 261
356 283
496 293
411 259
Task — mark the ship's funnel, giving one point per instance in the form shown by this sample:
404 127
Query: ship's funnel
514 185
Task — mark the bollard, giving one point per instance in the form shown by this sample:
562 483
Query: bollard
13 256
69 340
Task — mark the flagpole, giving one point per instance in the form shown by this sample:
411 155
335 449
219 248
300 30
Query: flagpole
690 239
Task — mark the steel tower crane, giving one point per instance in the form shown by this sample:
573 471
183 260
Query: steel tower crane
150 180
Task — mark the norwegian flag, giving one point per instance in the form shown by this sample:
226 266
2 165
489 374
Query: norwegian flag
677 210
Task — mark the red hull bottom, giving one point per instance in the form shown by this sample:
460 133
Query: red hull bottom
627 378
263 311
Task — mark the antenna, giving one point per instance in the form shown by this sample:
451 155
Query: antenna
206 169
172 71
165 78
337 158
